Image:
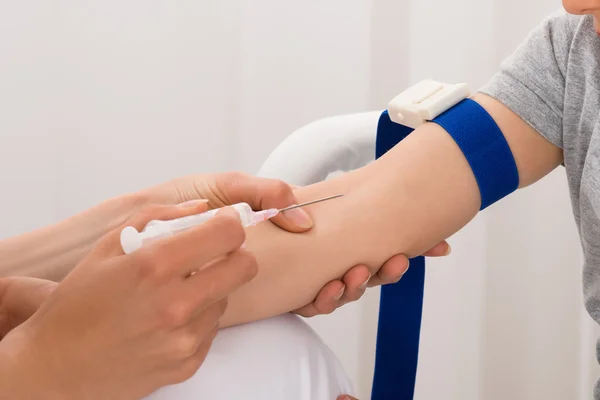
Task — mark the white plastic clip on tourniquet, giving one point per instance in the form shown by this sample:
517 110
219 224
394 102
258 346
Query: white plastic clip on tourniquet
425 101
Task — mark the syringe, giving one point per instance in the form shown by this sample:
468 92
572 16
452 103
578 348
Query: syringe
131 239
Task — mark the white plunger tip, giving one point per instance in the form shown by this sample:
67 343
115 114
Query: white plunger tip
131 239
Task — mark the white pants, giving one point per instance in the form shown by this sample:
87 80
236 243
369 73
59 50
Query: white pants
281 358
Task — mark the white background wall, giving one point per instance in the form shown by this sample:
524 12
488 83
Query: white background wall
102 98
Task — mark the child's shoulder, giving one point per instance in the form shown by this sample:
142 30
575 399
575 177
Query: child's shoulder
562 34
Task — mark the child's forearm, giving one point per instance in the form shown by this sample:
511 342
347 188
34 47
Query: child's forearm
51 252
419 193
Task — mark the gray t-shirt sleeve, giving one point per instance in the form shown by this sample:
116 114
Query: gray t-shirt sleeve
531 82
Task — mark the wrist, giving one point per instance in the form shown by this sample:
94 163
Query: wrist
11 376
51 252
112 213
22 374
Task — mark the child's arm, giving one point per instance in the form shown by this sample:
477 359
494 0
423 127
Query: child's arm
419 193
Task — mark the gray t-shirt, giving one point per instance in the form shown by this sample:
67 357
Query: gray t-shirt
552 82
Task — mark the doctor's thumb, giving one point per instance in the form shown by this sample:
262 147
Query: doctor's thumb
296 217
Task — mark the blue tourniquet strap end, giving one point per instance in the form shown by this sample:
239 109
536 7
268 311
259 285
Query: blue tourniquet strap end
398 332
400 307
400 311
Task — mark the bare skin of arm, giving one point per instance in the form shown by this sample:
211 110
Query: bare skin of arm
418 194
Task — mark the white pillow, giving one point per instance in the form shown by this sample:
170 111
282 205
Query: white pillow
313 152
280 358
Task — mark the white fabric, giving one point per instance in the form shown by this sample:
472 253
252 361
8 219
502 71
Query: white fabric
329 145
281 358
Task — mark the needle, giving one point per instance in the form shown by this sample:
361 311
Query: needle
310 202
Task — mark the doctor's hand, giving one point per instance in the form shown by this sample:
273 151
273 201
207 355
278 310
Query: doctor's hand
20 297
356 281
121 326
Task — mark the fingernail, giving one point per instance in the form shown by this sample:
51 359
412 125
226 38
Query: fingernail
448 251
192 203
299 217
406 270
365 283
339 294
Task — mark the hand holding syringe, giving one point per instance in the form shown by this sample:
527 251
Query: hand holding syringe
131 239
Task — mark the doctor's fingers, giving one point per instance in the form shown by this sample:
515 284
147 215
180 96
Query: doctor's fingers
217 281
261 194
186 338
326 302
336 293
439 250
391 272
199 345
189 251
110 245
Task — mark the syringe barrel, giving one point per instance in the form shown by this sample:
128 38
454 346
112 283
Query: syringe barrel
132 240
246 214
181 224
